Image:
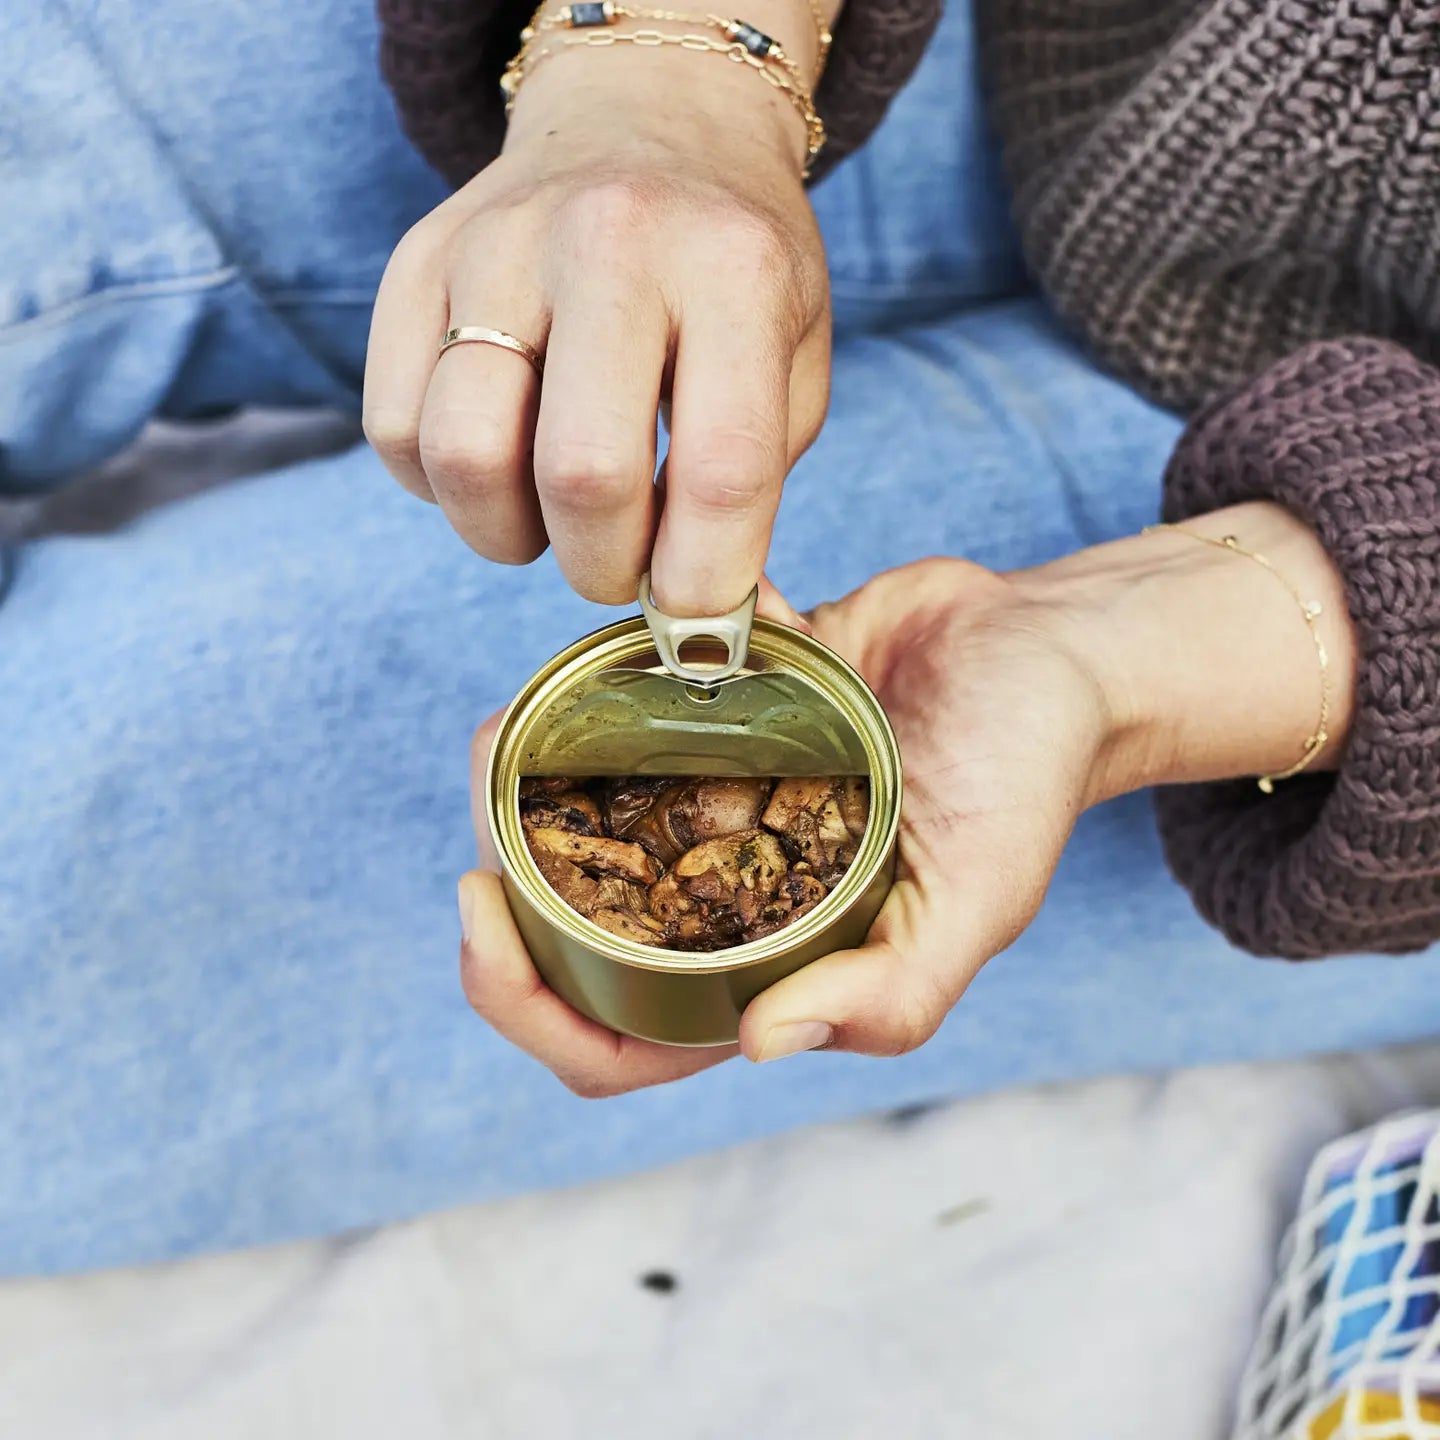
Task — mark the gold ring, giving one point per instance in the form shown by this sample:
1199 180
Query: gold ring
483 335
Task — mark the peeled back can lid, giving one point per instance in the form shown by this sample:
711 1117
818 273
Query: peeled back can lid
699 705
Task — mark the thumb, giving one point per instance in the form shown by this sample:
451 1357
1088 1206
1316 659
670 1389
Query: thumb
932 936
774 606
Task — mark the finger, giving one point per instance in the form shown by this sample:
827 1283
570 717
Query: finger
885 998
974 893
809 396
505 989
480 746
406 328
772 605
595 438
477 426
726 462
809 391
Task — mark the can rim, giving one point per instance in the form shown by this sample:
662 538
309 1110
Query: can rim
613 645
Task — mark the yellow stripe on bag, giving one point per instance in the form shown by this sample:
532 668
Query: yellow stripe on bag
1374 1408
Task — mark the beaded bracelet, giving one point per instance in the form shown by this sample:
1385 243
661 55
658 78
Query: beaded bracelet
603 12
593 16
590 23
823 38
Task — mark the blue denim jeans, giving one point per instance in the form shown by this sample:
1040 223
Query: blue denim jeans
233 767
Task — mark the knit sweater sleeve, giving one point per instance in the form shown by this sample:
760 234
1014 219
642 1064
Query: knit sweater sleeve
442 60
1346 435
1203 186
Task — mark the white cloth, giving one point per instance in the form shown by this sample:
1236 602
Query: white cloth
1086 1261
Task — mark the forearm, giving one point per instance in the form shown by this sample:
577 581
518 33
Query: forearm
1329 465
1205 661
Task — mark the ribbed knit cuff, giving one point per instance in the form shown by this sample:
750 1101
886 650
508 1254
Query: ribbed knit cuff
1346 435
442 61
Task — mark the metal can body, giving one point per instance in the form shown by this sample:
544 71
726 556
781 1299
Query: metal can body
676 997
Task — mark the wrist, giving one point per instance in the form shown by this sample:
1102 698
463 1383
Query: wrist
622 81
1204 661
591 105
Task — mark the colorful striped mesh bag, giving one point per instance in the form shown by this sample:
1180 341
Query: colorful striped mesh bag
1349 1344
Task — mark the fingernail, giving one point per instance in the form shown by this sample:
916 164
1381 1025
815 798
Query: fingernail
468 894
793 1038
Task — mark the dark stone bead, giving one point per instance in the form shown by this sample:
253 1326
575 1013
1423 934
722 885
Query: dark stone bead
588 13
757 42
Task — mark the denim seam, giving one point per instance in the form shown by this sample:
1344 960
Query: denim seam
159 289
137 290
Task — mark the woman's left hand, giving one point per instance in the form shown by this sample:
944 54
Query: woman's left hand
999 726
1018 701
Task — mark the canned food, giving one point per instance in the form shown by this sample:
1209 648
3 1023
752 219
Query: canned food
623 702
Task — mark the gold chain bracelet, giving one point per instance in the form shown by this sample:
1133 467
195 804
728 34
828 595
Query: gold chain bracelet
738 32
823 38
1311 610
777 79
582 15
591 24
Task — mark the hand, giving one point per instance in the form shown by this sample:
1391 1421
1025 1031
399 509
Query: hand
646 228
1018 701
1000 725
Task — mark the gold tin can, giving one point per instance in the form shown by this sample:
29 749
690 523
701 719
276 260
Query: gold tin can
607 705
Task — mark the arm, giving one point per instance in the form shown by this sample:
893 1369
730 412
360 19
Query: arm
646 229
1020 700
1346 436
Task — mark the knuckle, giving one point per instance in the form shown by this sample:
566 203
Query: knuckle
752 238
467 447
764 257
733 473
912 1030
813 421
809 434
920 1007
415 251
589 1086
588 476
504 227
610 211
394 435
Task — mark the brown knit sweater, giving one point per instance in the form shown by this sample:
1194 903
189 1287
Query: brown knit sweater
1203 187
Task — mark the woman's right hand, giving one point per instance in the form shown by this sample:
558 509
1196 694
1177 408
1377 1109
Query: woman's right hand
646 229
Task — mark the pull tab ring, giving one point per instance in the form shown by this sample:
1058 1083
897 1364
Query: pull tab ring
670 632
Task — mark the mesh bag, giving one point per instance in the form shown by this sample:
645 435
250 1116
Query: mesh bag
1349 1343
